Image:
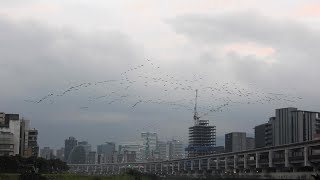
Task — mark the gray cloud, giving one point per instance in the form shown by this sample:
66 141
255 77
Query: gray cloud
295 45
36 60
247 26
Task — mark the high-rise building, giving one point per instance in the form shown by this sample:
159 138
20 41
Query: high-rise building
106 151
235 142
86 145
107 148
91 158
46 153
130 147
163 148
77 155
6 144
176 150
60 154
170 150
263 134
33 148
289 125
18 136
269 132
10 128
202 139
69 144
149 142
260 135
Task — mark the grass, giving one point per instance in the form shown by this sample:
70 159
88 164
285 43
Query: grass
9 176
84 177
73 177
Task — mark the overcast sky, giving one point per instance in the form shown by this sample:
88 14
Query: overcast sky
140 62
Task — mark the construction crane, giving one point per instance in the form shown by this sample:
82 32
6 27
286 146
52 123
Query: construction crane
196 117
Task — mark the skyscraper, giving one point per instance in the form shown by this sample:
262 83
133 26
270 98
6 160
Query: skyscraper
69 144
106 152
149 143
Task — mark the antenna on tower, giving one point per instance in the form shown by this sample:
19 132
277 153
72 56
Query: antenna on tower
195 116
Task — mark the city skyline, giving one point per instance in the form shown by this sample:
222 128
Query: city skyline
49 47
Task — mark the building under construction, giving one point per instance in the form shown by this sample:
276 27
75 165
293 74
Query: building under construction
202 137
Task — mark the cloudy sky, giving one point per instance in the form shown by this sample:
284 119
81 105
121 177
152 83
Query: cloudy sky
134 65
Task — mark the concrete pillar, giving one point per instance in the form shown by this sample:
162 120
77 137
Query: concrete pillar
112 168
172 167
270 159
161 167
167 168
200 164
235 161
208 164
217 163
286 157
184 165
306 156
155 168
245 161
191 165
226 163
257 160
145 167
150 168
178 166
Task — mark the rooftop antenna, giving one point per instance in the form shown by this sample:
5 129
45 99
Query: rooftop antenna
196 116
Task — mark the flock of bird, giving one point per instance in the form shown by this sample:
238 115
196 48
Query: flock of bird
148 84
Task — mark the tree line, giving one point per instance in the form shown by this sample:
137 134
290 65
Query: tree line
18 164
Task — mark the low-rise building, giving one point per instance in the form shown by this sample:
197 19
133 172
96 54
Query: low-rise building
235 141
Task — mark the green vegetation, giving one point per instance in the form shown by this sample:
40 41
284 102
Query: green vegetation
76 177
18 164
83 177
9 176
130 175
